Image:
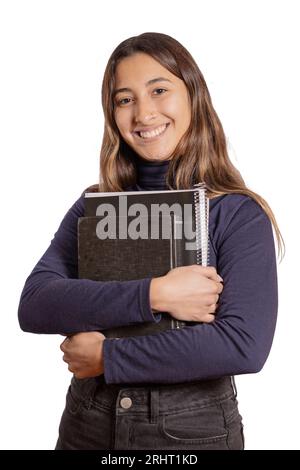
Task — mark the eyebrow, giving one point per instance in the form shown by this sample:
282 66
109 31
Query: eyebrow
150 82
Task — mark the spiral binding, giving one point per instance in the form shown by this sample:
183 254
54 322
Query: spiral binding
202 224
201 203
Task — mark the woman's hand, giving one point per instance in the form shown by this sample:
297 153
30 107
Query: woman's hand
188 293
83 352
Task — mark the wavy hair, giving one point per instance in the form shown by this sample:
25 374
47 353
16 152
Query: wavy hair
201 154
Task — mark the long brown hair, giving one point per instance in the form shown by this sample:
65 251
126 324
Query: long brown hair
200 155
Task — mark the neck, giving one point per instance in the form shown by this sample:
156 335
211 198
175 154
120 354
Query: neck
151 175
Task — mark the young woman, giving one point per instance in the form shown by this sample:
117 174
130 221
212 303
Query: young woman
174 389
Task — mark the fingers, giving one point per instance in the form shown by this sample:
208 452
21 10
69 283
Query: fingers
212 274
211 301
212 308
220 288
208 271
65 358
208 318
71 364
63 346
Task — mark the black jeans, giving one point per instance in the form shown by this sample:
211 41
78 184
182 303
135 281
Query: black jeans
197 415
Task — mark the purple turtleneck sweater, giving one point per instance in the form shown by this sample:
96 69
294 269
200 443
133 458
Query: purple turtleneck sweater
242 250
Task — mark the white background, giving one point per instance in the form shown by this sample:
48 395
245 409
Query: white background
53 55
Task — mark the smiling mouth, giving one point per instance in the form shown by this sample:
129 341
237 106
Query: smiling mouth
146 136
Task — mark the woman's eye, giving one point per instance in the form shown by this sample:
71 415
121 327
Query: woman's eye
123 101
160 89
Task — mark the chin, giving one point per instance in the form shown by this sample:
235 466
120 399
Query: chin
156 159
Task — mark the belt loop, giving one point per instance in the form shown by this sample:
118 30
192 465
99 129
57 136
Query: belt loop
90 391
233 386
154 405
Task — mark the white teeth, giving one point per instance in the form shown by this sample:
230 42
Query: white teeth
157 131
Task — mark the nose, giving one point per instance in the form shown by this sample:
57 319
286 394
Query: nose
145 111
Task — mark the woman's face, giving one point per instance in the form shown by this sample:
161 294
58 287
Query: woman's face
151 100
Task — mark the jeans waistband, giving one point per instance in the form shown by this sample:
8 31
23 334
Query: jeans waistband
171 397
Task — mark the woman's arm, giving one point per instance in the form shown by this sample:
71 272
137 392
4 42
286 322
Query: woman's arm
240 338
54 300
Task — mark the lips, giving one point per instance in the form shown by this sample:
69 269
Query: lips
153 134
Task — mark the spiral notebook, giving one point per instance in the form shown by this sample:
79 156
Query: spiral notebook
141 234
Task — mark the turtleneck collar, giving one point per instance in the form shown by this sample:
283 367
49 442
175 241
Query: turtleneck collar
151 175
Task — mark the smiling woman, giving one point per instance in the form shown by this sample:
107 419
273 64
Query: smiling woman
151 120
174 389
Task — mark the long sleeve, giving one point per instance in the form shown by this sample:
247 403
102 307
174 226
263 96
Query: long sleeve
54 300
240 338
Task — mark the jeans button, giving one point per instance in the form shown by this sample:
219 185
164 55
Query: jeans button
126 403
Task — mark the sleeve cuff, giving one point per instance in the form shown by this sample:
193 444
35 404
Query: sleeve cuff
148 314
109 366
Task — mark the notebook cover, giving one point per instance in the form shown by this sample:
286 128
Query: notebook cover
124 259
115 259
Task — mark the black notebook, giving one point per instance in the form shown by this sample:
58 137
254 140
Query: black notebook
141 234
